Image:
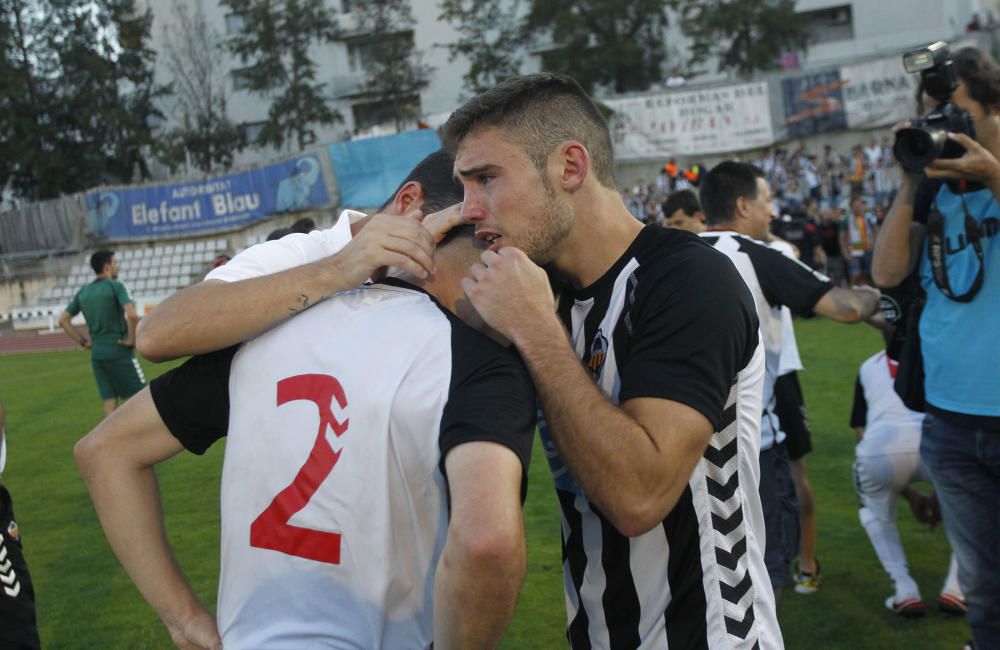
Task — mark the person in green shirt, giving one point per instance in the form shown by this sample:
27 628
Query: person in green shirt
112 319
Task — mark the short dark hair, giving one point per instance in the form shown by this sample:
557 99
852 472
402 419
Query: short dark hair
99 259
304 225
539 112
278 233
722 185
436 175
981 74
685 200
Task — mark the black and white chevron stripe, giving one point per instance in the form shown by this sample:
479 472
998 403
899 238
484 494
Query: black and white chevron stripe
8 577
729 528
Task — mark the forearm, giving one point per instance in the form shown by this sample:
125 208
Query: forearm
71 331
608 453
216 314
474 596
126 498
131 323
893 257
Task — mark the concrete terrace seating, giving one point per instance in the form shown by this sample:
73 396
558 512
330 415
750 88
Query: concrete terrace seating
147 270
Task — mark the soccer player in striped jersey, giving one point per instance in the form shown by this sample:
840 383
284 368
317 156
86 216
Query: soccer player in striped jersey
651 403
737 202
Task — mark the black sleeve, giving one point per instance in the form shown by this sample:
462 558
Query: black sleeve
859 412
492 399
193 399
695 329
785 281
924 198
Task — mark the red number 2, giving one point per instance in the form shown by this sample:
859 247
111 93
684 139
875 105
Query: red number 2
271 529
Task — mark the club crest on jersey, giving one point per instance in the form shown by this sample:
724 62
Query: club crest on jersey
13 532
598 353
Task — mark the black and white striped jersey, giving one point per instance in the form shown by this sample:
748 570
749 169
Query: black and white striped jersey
775 281
671 319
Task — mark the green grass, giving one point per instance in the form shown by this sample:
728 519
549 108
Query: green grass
86 601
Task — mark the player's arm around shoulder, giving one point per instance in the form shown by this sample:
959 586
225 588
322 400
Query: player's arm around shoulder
483 563
116 460
270 282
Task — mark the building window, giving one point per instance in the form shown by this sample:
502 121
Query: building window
235 24
373 114
359 55
251 131
830 24
359 52
346 6
241 80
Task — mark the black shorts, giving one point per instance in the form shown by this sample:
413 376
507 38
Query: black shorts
791 411
18 628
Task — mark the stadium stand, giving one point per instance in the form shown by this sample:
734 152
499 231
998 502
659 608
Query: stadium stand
150 272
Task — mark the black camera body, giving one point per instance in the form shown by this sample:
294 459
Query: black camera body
926 139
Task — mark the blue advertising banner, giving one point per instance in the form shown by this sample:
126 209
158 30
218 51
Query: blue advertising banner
209 204
814 103
369 170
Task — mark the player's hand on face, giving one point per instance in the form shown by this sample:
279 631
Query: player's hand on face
977 163
199 632
509 291
387 240
439 223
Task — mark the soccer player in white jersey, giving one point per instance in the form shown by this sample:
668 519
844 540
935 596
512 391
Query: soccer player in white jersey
737 202
483 556
651 404
888 461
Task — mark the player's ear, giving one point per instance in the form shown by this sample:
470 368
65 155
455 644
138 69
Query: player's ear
742 206
408 197
572 162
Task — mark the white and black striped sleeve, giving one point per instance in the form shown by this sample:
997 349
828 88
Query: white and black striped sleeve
696 328
785 281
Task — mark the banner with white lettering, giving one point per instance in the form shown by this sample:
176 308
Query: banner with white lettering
210 204
878 93
714 120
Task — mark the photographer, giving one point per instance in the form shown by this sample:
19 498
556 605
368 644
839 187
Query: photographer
945 226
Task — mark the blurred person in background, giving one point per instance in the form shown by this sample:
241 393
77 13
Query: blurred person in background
111 318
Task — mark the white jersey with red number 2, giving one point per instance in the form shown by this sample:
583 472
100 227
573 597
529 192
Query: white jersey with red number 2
333 504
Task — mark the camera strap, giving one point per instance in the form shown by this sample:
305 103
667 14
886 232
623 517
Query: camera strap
936 251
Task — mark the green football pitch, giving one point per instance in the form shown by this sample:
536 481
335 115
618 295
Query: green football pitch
86 601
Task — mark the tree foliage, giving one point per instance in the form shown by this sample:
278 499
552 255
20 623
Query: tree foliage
274 45
491 38
78 95
194 56
394 69
617 44
745 35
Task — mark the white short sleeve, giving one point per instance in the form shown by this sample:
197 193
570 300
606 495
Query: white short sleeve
3 450
288 252
789 360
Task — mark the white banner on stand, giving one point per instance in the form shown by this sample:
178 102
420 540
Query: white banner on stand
878 93
691 123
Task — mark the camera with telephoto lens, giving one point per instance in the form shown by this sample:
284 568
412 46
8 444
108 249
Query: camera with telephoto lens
926 139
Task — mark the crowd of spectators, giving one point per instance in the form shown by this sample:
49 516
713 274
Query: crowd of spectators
830 206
